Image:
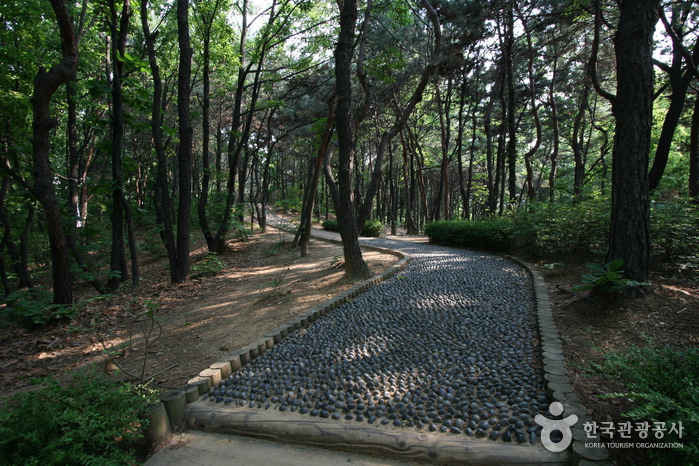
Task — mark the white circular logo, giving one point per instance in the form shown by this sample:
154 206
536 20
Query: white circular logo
550 425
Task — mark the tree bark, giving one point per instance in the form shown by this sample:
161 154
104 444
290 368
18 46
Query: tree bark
355 267
45 84
629 237
184 153
119 204
162 201
694 153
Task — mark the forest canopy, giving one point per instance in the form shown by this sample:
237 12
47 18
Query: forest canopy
166 120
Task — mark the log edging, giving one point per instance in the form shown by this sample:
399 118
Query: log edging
167 415
556 380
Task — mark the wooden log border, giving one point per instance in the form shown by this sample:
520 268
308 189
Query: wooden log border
407 445
556 380
402 443
161 424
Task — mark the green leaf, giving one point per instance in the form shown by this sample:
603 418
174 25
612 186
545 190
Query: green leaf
595 267
615 264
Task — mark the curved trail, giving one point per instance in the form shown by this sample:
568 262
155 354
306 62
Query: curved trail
448 345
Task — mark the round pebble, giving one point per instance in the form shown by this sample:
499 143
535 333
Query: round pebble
447 343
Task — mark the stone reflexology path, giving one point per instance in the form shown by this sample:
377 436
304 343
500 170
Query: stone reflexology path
441 362
447 345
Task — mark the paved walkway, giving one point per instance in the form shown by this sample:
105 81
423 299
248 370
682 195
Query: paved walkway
448 346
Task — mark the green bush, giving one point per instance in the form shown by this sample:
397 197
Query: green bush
665 383
34 307
330 225
674 228
91 420
209 265
558 229
489 235
561 229
372 228
289 205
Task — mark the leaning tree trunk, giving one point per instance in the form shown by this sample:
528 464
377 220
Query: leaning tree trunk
629 237
303 235
45 84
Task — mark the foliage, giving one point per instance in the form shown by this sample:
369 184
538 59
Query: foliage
330 225
606 278
490 234
675 232
665 383
90 420
33 307
539 228
372 228
561 228
209 265
289 205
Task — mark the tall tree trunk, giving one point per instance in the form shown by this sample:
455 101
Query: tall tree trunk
355 267
408 177
444 110
184 153
555 127
118 27
266 178
240 127
577 144
207 21
73 158
694 153
488 130
163 202
45 84
511 101
529 155
629 237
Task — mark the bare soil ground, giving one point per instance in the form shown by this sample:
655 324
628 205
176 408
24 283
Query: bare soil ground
263 284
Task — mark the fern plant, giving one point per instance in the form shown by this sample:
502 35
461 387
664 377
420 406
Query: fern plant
664 382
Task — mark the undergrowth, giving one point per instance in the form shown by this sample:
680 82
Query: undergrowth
90 420
664 384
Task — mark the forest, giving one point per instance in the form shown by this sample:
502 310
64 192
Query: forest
144 143
132 126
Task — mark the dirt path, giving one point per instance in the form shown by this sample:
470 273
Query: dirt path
263 283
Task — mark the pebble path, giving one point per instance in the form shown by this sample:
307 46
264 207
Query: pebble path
448 345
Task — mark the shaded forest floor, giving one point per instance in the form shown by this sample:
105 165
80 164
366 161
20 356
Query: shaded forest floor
590 327
263 283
